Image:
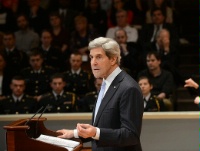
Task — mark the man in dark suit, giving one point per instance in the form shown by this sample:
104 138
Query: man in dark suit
117 116
15 59
149 31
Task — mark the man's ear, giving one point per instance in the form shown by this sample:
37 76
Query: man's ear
113 60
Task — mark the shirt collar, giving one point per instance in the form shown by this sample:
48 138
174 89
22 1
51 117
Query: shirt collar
147 97
17 98
111 77
77 72
55 94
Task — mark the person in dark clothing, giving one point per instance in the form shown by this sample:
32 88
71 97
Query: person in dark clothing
18 102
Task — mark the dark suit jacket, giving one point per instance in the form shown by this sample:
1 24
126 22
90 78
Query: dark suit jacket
120 116
147 33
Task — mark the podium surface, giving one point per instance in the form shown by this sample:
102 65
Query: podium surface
21 134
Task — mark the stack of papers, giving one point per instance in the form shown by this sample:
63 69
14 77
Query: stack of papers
68 144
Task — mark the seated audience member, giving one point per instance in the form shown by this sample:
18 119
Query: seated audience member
18 102
129 53
81 37
191 83
38 17
5 77
88 101
169 54
37 75
121 17
162 4
58 100
118 5
16 59
151 102
26 39
77 79
59 34
97 18
149 31
52 56
7 22
66 13
162 80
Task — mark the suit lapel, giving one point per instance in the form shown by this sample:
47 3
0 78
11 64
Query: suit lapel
109 94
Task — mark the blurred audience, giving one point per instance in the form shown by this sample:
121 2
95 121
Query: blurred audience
96 17
16 59
162 4
18 102
130 55
52 56
122 23
78 80
87 103
162 80
58 100
59 34
118 5
37 76
26 39
151 102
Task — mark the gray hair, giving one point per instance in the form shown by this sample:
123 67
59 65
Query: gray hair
110 46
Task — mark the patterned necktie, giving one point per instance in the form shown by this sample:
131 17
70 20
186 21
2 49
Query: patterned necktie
100 97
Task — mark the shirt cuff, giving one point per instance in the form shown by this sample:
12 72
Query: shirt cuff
96 137
76 133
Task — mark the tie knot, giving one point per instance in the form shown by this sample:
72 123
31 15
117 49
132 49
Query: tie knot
58 97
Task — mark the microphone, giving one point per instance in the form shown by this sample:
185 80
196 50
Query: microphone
34 115
36 131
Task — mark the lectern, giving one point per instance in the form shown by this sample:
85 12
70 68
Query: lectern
21 136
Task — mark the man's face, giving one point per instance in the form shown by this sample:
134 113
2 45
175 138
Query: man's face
17 87
121 37
22 22
55 21
75 62
46 38
57 85
152 62
36 62
81 25
158 17
9 41
101 65
121 19
145 86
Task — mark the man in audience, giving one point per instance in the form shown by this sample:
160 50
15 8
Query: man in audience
18 102
121 17
162 80
52 56
88 102
77 80
130 56
26 39
37 75
149 31
16 60
58 100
